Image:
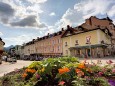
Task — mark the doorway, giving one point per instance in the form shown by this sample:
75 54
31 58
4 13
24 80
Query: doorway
88 52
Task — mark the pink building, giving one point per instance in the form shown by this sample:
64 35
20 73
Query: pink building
50 45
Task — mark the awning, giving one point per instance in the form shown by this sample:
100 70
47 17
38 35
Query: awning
89 46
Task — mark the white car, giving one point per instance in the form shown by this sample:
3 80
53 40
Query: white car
4 58
11 59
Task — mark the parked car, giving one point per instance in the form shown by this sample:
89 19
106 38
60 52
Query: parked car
26 57
12 59
4 58
32 58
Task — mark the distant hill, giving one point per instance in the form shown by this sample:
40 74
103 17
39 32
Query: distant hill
7 48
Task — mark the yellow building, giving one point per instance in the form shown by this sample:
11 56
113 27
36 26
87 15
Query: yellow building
86 43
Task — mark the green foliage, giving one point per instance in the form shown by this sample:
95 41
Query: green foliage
52 71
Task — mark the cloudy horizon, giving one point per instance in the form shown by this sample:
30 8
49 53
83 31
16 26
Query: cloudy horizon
24 20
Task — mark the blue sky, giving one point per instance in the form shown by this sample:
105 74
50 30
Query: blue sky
23 20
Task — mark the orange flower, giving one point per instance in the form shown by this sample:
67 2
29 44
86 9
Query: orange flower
81 66
63 70
33 70
30 70
77 70
24 75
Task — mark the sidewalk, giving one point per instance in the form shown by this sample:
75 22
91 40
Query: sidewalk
7 67
94 60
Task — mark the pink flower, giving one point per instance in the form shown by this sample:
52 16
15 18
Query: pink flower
61 83
109 62
113 70
100 73
104 69
37 76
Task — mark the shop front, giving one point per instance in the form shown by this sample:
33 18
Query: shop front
88 51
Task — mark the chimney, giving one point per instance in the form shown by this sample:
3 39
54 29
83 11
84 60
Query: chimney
90 21
33 40
37 37
0 39
62 29
48 34
68 26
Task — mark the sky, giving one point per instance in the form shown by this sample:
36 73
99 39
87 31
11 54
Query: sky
24 20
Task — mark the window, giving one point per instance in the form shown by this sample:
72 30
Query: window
53 42
88 40
76 42
58 40
58 48
66 52
65 43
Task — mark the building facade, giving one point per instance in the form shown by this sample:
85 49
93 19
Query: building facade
29 48
88 43
50 45
95 37
1 49
94 22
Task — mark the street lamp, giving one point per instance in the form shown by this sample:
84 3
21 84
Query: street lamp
90 52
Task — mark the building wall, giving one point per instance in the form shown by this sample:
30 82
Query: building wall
95 38
49 46
93 21
1 45
26 50
18 49
102 36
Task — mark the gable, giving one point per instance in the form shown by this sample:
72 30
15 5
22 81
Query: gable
68 32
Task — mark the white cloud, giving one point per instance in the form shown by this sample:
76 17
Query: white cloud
85 9
23 9
19 39
1 33
37 1
50 30
52 14
112 11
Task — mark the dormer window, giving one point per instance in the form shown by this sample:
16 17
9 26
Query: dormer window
76 42
65 43
106 31
88 40
102 42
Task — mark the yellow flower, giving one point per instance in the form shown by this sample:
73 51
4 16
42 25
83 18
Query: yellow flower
42 70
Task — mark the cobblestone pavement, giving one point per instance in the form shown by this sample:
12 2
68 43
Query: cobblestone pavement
7 67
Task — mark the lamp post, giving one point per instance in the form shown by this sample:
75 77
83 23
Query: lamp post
90 52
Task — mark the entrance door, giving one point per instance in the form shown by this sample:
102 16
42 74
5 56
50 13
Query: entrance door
88 52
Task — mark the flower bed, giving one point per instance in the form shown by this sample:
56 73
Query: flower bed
67 71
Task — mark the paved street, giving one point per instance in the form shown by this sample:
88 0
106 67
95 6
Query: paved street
7 67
